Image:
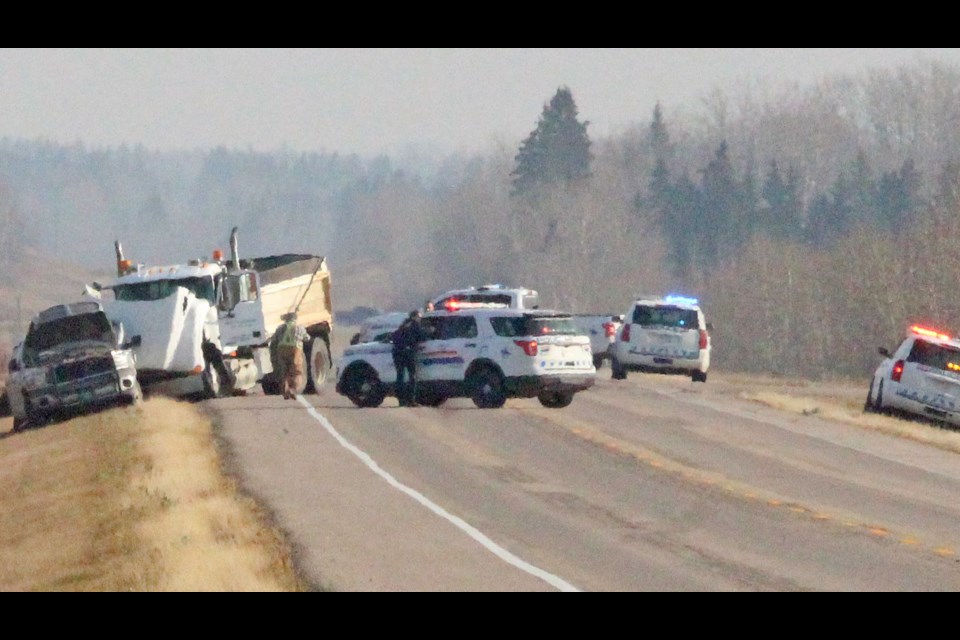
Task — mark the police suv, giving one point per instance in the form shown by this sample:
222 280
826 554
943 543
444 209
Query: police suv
480 351
921 377
662 335
512 297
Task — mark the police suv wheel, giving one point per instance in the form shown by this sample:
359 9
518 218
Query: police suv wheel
363 388
487 389
868 404
555 399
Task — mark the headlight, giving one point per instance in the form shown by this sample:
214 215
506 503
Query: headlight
122 359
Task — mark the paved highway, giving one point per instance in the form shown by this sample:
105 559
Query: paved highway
650 484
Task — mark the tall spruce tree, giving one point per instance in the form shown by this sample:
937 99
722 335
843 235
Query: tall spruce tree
782 212
723 197
557 151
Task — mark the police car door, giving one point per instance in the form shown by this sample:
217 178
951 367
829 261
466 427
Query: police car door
453 348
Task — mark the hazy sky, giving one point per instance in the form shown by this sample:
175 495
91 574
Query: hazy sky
369 101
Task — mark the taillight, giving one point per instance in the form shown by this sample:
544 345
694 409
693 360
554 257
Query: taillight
897 371
609 329
703 338
625 334
529 346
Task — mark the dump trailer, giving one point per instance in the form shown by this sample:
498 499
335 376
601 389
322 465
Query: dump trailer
205 326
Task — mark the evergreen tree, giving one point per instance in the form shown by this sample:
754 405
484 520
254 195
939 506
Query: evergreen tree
898 197
829 218
722 208
863 192
662 151
558 150
780 214
680 221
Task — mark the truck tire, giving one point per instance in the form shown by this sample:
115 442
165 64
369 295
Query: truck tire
215 376
136 398
318 364
212 387
270 384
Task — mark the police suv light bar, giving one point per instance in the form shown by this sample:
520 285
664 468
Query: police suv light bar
930 333
675 299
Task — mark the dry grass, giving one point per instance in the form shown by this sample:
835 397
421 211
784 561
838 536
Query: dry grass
842 401
132 500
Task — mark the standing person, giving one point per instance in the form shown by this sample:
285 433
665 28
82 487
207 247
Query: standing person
289 340
405 340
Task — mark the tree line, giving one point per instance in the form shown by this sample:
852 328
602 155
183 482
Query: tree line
814 223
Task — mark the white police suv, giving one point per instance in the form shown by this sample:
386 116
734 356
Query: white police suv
512 297
921 377
662 335
484 352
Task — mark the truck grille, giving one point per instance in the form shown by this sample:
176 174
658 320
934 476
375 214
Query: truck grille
82 369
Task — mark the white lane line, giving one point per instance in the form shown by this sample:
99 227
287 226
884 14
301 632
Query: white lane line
471 531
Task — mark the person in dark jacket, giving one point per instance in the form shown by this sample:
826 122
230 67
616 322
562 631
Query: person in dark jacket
406 339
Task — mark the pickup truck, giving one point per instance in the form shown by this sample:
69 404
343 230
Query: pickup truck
72 360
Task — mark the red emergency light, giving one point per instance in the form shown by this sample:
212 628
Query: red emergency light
930 333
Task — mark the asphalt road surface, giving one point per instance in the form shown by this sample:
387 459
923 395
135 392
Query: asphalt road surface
650 484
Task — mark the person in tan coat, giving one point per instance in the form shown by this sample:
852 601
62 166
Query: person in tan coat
290 337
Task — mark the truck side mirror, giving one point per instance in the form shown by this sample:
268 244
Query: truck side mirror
883 351
135 341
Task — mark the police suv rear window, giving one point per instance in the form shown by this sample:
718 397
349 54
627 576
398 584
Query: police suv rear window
665 316
533 326
935 355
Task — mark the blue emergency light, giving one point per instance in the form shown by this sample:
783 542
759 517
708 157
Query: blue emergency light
675 299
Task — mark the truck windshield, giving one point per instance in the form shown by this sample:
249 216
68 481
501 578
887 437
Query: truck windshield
93 326
202 288
665 316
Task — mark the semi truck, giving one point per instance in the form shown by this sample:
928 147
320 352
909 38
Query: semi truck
205 326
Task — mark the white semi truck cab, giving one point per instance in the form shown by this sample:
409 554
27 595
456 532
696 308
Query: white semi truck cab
205 326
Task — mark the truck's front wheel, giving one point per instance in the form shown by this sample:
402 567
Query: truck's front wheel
211 381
